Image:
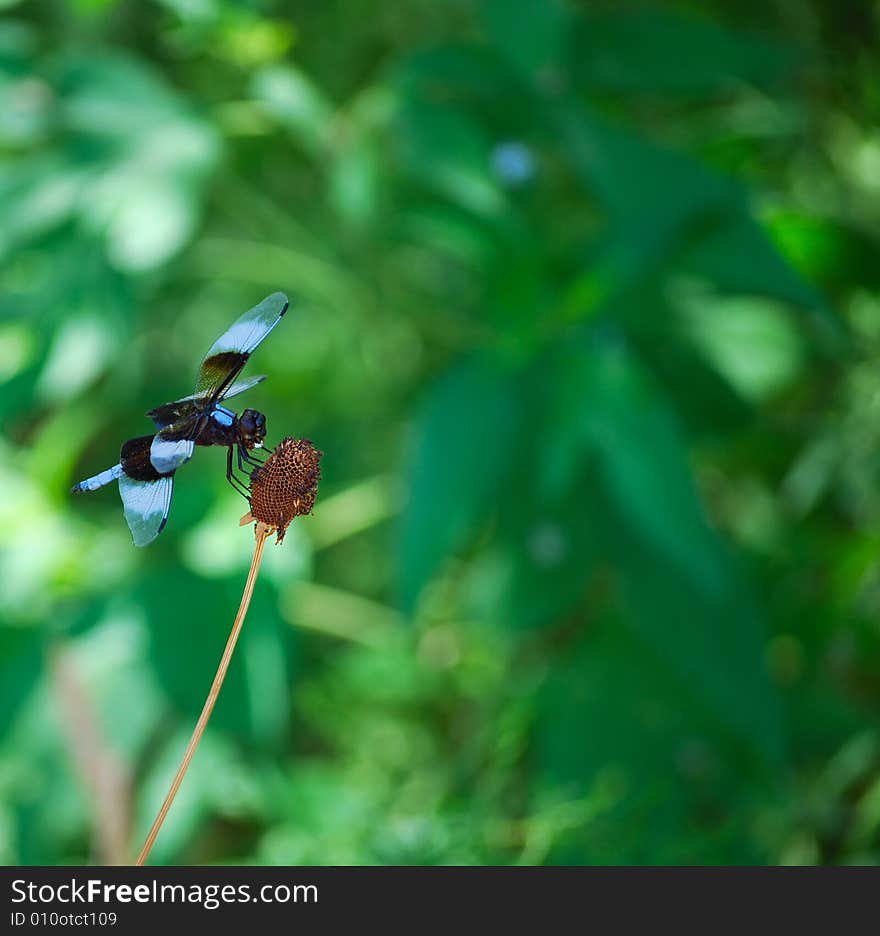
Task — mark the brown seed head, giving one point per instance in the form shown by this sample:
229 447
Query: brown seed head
286 485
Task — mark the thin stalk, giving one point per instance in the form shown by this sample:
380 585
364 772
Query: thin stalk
263 533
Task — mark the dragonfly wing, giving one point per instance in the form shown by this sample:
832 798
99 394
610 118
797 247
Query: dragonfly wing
164 416
230 352
146 505
169 413
167 455
241 385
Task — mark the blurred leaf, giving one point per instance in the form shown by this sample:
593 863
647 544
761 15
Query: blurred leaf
355 175
80 350
111 660
446 150
665 52
665 208
738 257
712 641
683 594
615 412
128 159
530 34
24 110
464 446
21 665
250 40
656 200
186 649
353 183
463 73
18 41
706 403
547 561
826 250
752 342
37 195
194 10
612 720
295 101
640 184
354 509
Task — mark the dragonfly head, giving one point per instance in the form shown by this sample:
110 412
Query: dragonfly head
252 427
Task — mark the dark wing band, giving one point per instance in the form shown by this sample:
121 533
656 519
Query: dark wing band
230 352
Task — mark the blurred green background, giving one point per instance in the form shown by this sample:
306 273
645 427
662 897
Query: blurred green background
586 318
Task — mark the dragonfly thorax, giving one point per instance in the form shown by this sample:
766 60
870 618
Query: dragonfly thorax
223 416
223 427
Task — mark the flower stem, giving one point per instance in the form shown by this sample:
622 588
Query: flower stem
263 533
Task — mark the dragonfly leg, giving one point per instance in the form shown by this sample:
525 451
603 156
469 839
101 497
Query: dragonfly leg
249 456
247 462
232 478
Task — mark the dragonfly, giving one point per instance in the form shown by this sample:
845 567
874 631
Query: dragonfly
147 464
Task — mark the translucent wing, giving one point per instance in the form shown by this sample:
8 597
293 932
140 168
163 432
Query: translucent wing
241 385
169 454
163 416
146 505
169 413
230 352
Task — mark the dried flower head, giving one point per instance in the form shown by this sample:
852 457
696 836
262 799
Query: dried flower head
286 485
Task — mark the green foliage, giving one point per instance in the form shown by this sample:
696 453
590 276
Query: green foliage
467 446
585 319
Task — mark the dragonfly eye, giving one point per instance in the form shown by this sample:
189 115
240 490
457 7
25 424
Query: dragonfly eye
253 425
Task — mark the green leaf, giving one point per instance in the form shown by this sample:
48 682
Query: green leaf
619 726
666 211
617 414
713 641
127 158
705 402
531 35
755 343
18 42
737 256
465 74
665 53
636 180
655 200
466 435
544 563
680 589
21 665
445 149
294 100
186 648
